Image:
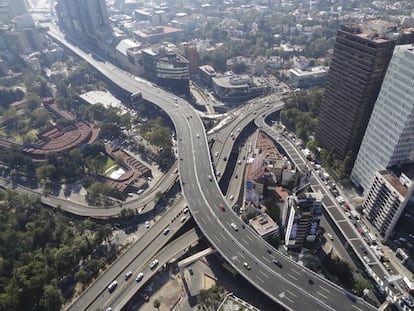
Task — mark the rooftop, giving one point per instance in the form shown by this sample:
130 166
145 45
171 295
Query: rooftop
263 224
394 181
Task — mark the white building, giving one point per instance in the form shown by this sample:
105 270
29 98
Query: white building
304 212
389 137
386 200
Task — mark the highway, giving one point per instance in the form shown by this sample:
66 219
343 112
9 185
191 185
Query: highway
289 286
174 249
333 209
137 256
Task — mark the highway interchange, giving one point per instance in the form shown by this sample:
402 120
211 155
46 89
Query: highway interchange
290 285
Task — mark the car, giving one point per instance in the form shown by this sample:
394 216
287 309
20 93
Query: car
139 277
153 264
246 265
269 251
362 247
225 159
128 275
182 219
221 206
330 236
310 281
108 309
166 231
277 263
216 154
239 162
190 270
112 286
198 135
210 178
234 226
185 210
367 260
231 198
147 224
236 176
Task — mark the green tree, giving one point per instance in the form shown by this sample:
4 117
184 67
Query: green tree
52 298
361 284
156 304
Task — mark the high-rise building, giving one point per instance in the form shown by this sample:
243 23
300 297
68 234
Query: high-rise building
304 212
86 19
360 58
387 198
389 138
18 7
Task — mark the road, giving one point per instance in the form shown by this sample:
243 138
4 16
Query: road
175 248
288 286
334 210
137 256
144 204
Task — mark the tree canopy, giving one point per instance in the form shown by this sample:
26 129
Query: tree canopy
40 252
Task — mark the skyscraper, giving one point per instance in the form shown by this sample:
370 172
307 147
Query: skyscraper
389 138
360 58
86 19
18 7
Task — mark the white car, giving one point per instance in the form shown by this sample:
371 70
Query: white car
234 226
112 286
330 236
128 275
182 219
367 260
340 199
139 277
166 231
153 264
147 224
231 197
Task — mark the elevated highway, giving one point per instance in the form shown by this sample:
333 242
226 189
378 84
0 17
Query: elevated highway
288 286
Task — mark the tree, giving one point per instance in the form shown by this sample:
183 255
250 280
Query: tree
52 298
311 145
156 304
360 285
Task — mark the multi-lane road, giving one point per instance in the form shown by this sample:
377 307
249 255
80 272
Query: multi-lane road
333 209
292 286
136 259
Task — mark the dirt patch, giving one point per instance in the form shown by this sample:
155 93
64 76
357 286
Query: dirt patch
208 281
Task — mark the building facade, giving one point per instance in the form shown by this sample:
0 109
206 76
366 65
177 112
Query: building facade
83 19
361 56
167 68
389 138
386 200
233 88
304 213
